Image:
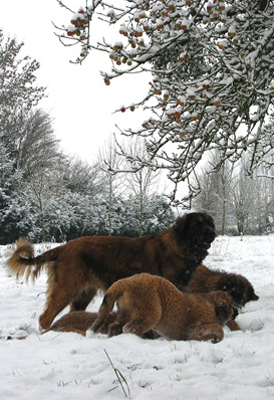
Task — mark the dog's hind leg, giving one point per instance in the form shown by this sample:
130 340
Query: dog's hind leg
82 301
57 300
142 320
138 327
213 332
104 310
62 290
116 327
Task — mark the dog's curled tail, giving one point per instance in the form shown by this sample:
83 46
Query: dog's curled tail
22 261
106 307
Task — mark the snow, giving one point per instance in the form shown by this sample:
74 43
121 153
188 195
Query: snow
68 366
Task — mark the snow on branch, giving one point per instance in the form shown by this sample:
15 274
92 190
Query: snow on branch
211 66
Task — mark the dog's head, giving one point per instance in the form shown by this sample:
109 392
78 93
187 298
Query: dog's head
196 229
223 306
239 288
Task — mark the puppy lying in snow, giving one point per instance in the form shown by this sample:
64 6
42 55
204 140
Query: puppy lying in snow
237 286
80 322
147 302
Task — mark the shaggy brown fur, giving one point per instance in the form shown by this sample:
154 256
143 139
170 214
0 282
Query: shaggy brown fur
146 302
237 286
77 269
80 322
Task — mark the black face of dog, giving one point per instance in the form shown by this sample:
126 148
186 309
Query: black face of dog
196 228
239 288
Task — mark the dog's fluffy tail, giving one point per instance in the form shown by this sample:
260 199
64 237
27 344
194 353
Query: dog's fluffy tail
106 307
23 263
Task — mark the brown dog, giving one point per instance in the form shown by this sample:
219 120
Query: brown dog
77 269
80 322
146 302
237 286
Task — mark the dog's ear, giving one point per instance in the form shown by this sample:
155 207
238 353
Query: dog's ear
222 312
237 292
234 285
181 225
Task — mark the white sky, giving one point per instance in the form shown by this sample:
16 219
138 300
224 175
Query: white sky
78 99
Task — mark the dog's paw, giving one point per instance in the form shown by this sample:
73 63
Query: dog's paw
128 329
218 337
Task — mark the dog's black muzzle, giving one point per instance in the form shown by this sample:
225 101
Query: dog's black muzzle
235 313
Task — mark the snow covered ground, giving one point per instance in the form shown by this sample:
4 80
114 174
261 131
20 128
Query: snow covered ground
67 366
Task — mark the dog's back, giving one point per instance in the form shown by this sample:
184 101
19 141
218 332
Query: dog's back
206 280
139 295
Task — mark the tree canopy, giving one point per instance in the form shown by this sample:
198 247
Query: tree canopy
211 65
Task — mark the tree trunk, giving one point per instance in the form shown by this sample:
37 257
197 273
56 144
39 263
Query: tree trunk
42 219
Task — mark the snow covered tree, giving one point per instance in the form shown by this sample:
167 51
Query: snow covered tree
215 195
157 215
110 162
18 93
27 141
241 202
36 145
14 202
261 215
142 182
83 178
211 65
40 159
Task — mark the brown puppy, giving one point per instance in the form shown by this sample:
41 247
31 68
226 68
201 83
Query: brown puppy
146 302
77 269
237 286
80 322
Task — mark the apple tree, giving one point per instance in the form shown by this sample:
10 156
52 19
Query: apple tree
211 65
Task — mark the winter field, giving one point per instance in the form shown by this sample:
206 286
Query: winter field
67 366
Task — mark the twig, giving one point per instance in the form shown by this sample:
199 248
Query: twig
119 376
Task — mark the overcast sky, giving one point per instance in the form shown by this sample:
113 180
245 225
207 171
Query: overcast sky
80 103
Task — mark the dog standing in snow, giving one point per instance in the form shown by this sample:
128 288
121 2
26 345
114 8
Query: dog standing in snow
77 269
